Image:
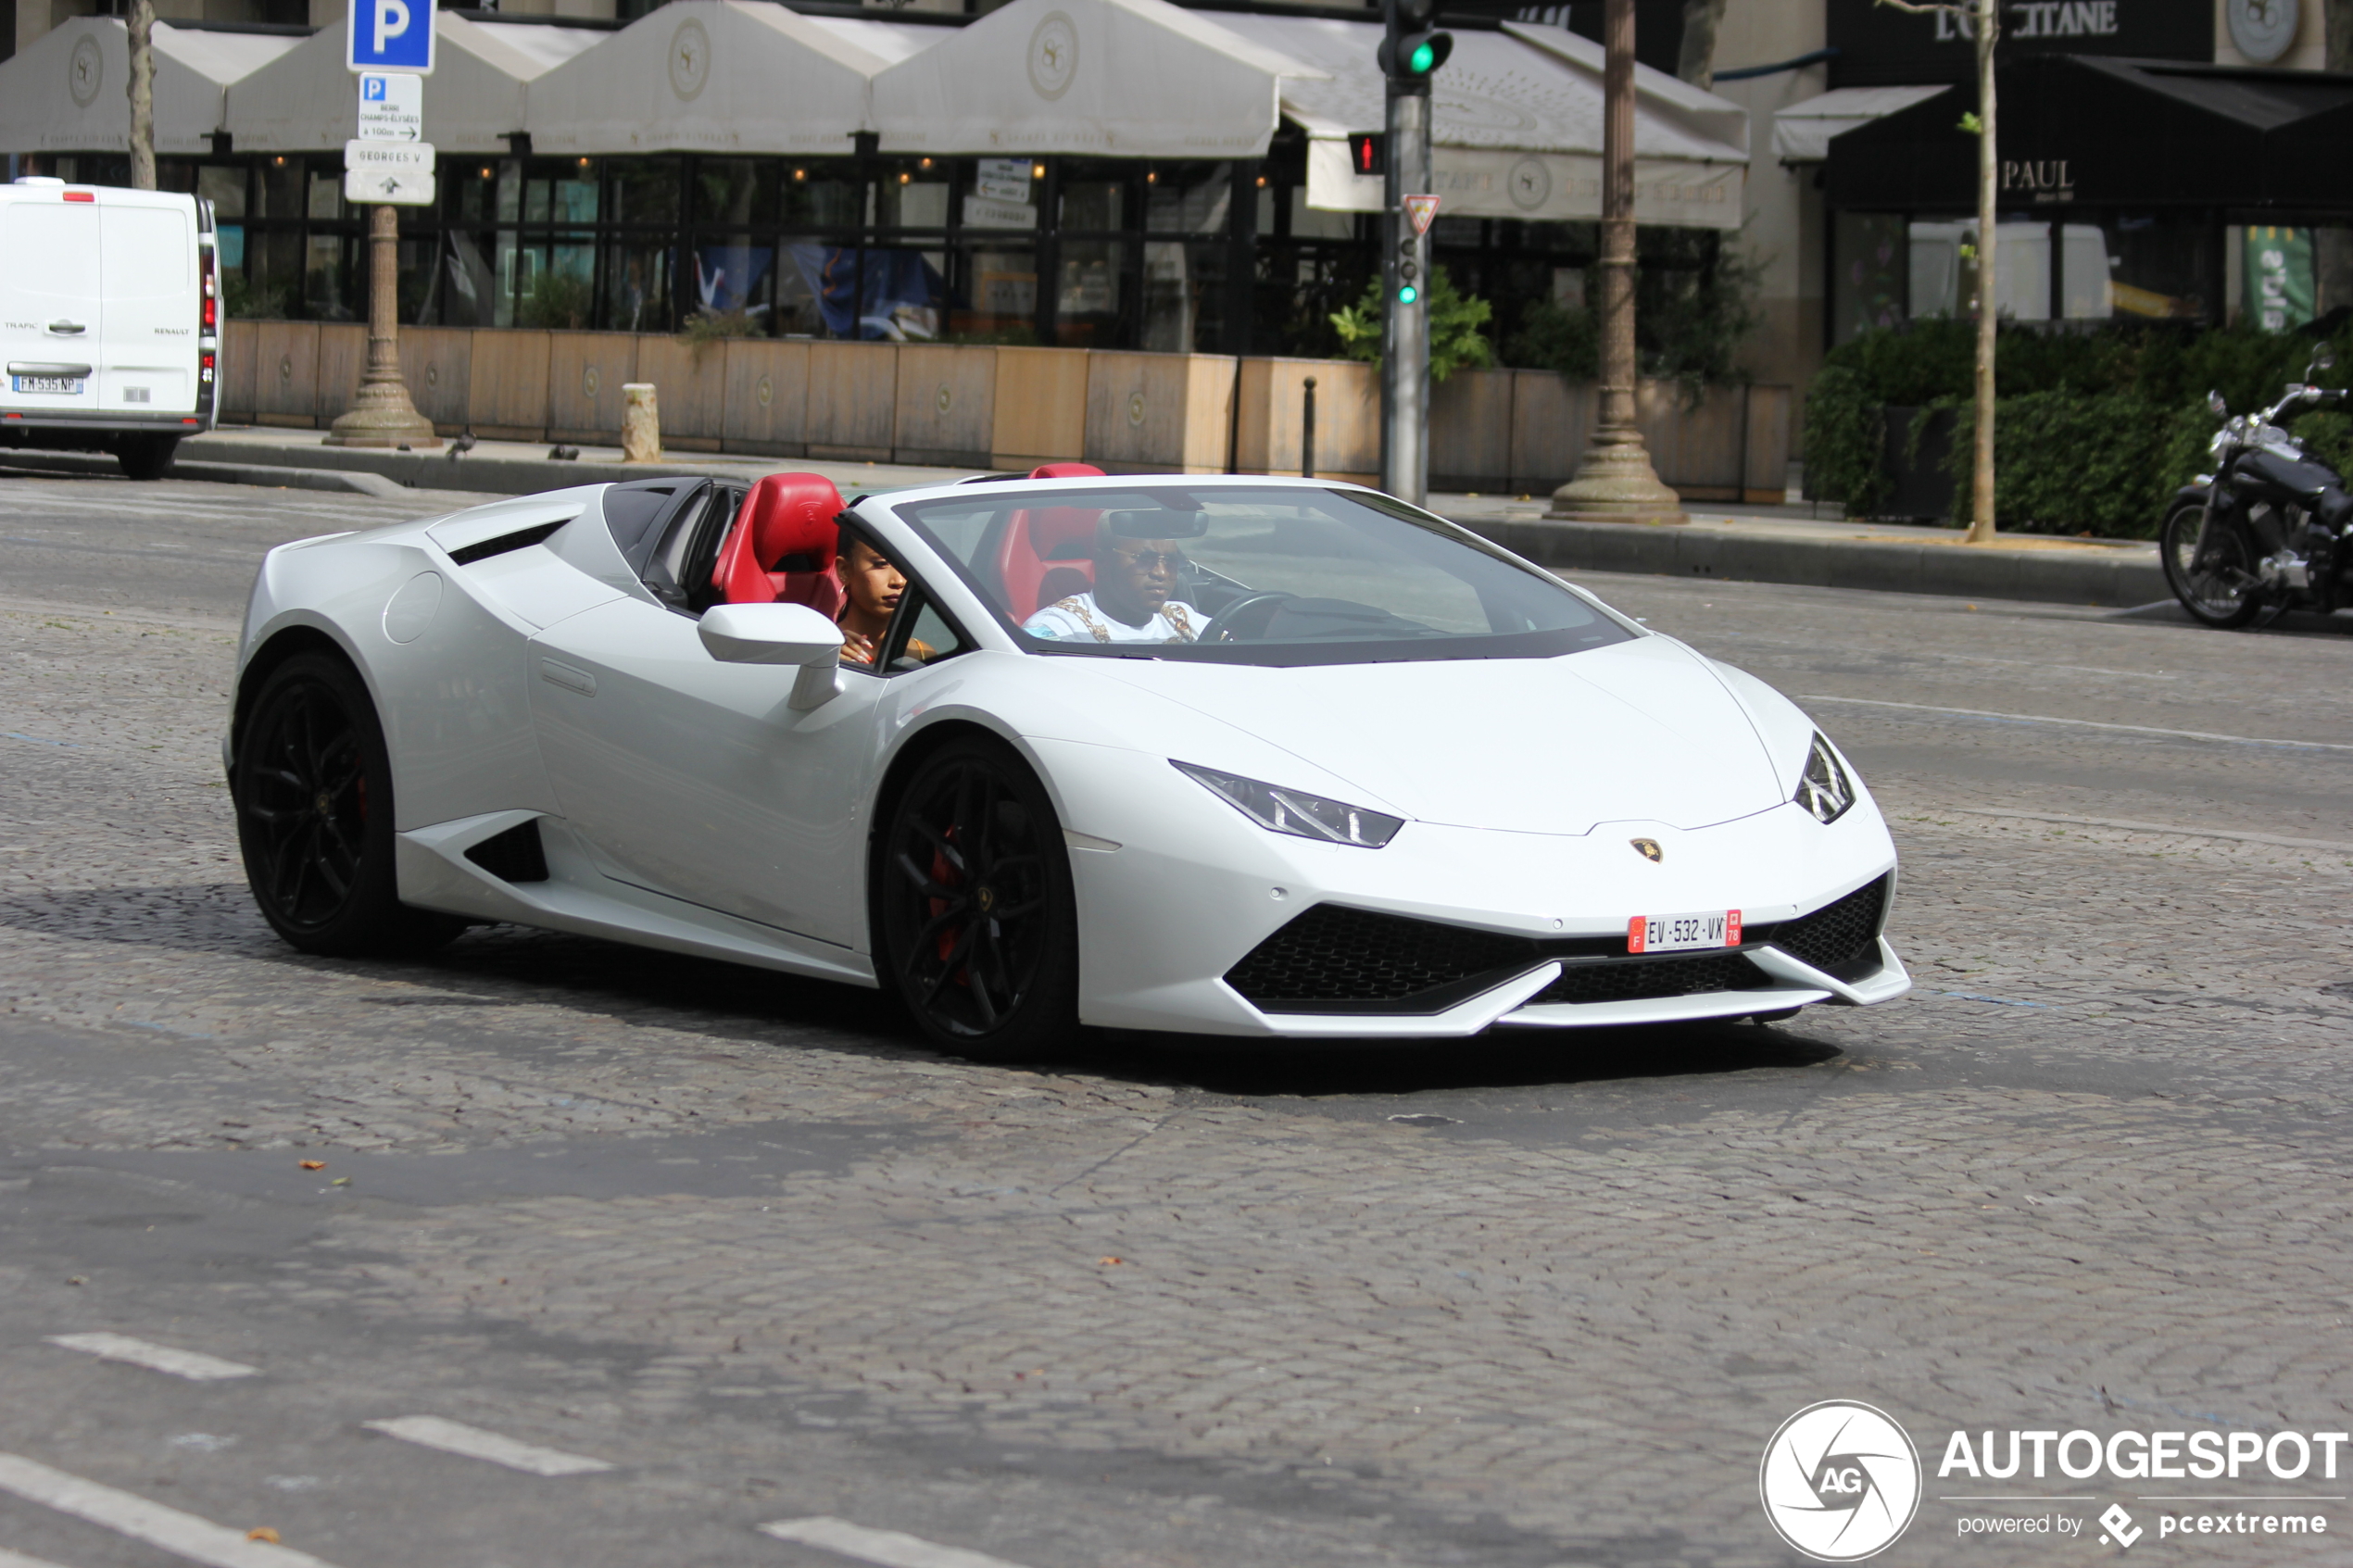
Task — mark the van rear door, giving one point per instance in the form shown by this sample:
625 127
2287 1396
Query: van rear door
51 321
147 357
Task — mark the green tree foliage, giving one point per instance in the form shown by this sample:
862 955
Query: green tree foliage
1694 304
2093 430
1457 328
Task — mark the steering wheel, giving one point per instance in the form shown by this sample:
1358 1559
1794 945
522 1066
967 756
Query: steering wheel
1221 625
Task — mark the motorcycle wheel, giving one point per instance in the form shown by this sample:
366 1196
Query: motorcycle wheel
2216 585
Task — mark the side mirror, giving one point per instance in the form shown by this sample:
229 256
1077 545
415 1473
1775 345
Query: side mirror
2323 359
2214 401
789 634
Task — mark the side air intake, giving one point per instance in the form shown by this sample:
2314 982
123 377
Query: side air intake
512 856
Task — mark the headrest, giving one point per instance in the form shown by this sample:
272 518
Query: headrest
1156 523
792 514
1066 471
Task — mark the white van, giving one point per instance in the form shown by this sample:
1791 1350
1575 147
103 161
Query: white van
110 320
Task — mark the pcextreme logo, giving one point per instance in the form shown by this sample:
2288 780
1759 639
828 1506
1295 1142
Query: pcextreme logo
1840 1481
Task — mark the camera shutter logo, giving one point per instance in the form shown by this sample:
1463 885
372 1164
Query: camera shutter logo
1840 1481
1054 54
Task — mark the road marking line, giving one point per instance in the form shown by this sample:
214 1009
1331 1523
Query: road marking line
2084 723
885 1547
473 1442
2153 827
19 1560
185 1535
189 1364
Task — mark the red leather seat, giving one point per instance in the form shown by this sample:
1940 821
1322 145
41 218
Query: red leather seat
1046 555
781 547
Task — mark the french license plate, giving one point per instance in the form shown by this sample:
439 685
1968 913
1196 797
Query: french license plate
1674 933
70 385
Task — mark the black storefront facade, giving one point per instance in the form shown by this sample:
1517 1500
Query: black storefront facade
2130 190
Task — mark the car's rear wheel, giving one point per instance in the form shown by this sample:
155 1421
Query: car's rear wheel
312 784
978 926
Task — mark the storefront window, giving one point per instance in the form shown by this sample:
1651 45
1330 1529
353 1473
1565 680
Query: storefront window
1090 293
1183 297
1188 199
996 295
1001 193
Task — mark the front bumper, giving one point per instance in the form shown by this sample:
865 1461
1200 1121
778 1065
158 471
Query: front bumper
1193 888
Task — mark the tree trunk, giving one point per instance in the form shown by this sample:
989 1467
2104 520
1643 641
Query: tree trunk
142 88
1981 527
1697 63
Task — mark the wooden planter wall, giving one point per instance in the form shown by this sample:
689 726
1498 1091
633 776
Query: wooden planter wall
962 406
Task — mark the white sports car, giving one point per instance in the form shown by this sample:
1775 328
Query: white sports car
1228 756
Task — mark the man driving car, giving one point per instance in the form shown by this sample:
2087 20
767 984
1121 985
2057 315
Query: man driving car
1137 558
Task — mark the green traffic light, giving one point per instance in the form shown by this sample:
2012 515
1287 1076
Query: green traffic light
1423 58
1408 294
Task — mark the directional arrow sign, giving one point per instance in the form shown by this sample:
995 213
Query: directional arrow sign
392 107
388 173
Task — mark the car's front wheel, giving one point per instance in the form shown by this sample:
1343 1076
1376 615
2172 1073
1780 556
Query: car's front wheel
979 930
312 786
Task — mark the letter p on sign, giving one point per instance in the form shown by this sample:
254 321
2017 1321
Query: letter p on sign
390 35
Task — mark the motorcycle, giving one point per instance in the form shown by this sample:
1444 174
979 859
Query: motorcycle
2271 529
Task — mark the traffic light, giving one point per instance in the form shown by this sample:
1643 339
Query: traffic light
1367 153
1413 47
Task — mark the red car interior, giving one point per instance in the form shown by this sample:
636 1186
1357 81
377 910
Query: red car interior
781 546
1047 555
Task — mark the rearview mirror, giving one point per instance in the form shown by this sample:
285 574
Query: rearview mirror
2323 359
792 635
2214 401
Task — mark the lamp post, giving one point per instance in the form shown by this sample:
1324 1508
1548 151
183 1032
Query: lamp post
1615 481
381 413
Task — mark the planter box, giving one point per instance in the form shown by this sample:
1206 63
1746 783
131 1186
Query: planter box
1040 408
286 384
507 386
343 355
1470 431
946 405
585 373
1158 413
853 401
438 365
766 396
240 354
689 389
1347 417
1551 425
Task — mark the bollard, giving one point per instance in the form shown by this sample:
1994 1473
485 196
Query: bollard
641 423
1307 431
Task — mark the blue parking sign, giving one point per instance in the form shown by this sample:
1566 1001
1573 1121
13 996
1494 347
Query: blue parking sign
391 35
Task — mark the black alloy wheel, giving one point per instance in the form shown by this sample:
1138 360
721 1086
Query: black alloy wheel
312 786
979 929
2214 580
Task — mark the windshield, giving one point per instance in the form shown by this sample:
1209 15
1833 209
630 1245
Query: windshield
1235 574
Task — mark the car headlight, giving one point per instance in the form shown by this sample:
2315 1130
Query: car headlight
1825 789
1295 813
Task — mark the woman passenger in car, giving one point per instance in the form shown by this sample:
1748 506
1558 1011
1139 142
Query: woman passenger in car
872 586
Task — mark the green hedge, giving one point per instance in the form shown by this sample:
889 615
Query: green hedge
2092 432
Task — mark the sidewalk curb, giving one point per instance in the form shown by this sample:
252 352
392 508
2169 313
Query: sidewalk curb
2118 579
437 471
211 472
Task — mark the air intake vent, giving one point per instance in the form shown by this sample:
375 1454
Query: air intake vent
522 538
514 854
1840 938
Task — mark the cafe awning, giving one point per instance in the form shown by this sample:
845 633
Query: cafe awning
1802 132
722 76
1516 123
1113 77
307 101
66 92
2150 134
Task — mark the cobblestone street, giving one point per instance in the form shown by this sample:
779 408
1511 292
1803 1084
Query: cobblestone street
1513 1301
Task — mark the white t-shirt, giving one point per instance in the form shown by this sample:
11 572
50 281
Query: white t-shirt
1077 620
